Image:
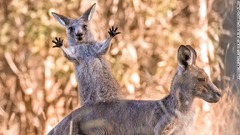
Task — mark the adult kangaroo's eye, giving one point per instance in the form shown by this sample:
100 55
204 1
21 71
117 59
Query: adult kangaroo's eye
70 28
85 27
204 79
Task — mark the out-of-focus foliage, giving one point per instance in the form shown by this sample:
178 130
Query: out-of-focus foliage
38 85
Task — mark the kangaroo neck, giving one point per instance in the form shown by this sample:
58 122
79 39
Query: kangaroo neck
74 43
179 100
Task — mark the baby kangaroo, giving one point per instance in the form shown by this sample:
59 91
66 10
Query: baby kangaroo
95 80
138 117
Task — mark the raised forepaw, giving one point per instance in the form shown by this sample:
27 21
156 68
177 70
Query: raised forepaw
113 31
58 42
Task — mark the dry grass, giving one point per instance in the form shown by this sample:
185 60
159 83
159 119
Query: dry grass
38 86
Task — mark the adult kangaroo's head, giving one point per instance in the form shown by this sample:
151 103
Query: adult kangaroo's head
77 29
192 80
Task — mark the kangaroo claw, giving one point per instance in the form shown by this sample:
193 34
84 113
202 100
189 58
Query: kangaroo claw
113 31
58 42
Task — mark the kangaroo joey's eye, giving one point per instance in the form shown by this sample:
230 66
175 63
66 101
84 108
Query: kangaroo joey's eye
70 28
85 27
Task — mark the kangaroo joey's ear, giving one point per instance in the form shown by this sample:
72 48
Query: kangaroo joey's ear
193 52
185 57
61 19
87 15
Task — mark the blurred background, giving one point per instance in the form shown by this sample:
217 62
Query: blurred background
38 85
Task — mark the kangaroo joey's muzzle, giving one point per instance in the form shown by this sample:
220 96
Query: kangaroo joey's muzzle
79 36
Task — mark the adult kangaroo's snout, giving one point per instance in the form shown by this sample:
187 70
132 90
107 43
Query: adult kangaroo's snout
216 93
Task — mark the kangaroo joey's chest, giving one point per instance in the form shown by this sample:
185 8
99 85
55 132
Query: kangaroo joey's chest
86 55
84 52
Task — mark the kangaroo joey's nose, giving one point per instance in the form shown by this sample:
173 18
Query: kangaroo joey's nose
79 36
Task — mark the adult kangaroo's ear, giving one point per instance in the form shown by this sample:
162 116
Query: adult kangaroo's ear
185 57
193 53
63 20
87 15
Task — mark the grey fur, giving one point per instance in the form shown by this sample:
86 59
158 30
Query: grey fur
95 79
136 117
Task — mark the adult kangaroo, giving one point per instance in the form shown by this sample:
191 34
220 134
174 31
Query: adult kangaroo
141 117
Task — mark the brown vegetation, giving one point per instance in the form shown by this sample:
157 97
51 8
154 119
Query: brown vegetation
37 84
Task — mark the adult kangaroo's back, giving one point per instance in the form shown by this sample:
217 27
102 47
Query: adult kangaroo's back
95 79
135 117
